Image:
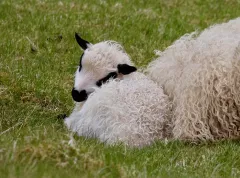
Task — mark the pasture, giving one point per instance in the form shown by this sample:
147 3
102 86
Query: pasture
38 58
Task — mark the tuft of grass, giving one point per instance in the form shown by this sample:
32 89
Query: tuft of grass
38 57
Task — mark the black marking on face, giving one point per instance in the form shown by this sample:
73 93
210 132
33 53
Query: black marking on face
79 96
126 69
112 75
80 63
82 43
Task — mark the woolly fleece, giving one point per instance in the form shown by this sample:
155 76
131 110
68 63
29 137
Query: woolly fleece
201 75
133 111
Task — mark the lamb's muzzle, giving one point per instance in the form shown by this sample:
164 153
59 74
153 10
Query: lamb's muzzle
79 96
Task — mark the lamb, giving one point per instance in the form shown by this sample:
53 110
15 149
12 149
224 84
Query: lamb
201 75
115 103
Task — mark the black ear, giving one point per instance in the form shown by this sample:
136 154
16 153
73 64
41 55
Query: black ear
126 69
83 43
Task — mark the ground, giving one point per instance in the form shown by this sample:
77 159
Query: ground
38 58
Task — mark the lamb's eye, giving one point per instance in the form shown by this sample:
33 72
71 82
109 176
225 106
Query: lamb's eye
80 63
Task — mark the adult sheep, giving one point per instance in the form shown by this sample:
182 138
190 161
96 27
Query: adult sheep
117 104
201 75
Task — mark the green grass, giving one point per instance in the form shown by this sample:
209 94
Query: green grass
38 57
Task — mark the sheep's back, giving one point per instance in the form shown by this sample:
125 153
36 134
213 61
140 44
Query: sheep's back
201 74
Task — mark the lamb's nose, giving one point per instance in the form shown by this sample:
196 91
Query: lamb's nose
79 96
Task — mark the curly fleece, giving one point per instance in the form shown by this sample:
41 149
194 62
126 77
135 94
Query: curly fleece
133 111
201 75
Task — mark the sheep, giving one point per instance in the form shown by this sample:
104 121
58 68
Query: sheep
118 105
100 61
201 75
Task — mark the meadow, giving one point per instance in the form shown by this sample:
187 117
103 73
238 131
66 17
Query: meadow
38 58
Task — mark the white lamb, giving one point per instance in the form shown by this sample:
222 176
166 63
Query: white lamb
116 107
201 75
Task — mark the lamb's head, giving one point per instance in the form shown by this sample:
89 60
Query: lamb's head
98 64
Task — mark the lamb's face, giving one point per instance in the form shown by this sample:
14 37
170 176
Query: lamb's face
98 64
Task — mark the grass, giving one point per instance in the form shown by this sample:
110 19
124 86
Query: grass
38 57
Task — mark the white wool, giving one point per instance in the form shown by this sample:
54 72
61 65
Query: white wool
201 74
134 111
105 56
